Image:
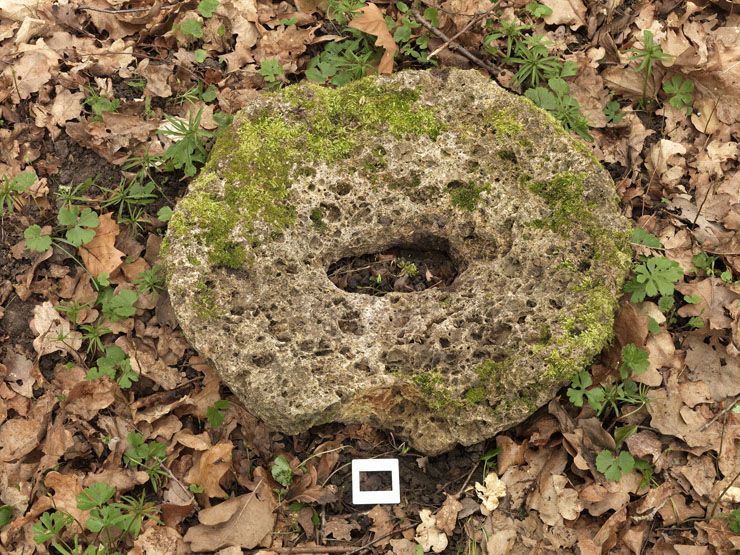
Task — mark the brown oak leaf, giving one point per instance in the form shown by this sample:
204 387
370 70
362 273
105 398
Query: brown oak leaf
101 255
373 23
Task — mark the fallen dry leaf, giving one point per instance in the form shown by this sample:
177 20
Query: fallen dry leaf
447 514
53 333
101 255
66 488
512 453
242 521
20 374
706 361
555 501
671 416
340 528
209 467
18 437
159 540
428 535
489 492
568 12
714 301
403 547
145 361
372 22
67 106
32 72
382 524
664 161
87 398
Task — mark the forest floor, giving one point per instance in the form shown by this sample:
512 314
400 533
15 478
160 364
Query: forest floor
115 436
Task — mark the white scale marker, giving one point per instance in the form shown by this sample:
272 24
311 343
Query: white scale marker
389 497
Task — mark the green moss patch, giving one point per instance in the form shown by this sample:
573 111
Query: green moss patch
205 301
433 388
504 123
564 195
475 394
265 152
465 195
214 223
587 330
588 326
490 370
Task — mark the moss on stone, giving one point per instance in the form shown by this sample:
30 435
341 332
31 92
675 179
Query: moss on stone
204 302
264 152
564 195
504 123
466 195
408 181
212 222
349 112
490 370
475 395
317 218
587 330
304 151
373 162
433 389
164 248
586 151
588 326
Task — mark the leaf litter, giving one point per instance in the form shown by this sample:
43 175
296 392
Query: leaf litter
86 89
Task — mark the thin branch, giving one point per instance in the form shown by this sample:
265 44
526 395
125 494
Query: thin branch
340 549
728 408
467 480
721 495
490 68
314 549
130 10
388 535
472 22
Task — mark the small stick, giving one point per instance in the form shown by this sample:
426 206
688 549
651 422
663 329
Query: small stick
130 10
314 549
467 481
445 44
721 495
490 68
727 409
388 535
339 549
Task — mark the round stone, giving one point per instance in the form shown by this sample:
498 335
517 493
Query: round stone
500 232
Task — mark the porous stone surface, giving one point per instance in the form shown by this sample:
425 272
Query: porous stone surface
449 161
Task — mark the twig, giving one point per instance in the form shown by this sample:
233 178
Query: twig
314 549
467 480
706 196
721 495
490 68
719 414
388 535
340 549
130 10
472 22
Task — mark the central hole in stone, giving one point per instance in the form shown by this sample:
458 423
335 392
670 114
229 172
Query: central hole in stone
401 269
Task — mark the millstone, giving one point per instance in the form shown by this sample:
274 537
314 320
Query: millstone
502 230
